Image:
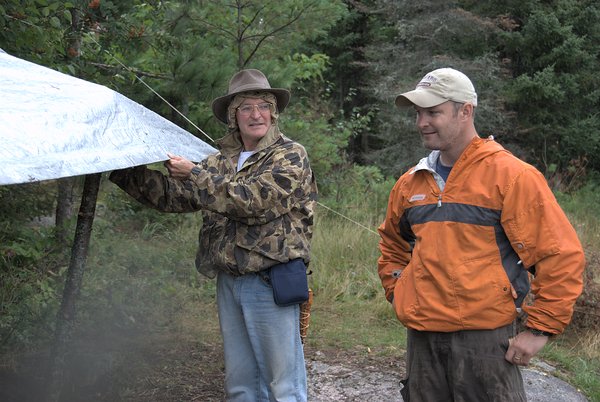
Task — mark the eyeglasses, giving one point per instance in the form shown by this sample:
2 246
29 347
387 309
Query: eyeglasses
246 110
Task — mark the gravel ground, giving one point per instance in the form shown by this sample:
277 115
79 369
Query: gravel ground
369 380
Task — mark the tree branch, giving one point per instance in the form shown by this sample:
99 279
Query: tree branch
273 32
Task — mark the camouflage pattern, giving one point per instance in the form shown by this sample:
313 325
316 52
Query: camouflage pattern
251 219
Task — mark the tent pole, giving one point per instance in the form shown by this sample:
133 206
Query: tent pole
65 320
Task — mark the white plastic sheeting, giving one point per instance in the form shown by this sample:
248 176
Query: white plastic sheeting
53 125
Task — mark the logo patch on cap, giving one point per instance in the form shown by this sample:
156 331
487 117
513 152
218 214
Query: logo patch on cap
427 81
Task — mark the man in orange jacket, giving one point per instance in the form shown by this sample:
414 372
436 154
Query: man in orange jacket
464 230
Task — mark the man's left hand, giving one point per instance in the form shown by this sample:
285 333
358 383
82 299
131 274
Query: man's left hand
523 347
179 167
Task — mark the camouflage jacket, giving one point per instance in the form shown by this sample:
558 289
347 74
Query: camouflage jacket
251 219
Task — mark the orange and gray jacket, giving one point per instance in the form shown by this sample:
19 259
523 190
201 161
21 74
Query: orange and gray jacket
251 219
451 251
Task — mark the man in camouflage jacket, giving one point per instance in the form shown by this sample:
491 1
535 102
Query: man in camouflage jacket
257 197
251 219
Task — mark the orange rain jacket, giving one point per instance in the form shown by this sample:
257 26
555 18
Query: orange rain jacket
450 251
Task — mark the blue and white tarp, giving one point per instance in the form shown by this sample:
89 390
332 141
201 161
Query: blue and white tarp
53 125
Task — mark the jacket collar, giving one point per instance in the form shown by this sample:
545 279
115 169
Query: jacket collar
427 163
483 146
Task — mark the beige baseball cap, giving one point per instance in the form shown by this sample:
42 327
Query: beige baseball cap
439 86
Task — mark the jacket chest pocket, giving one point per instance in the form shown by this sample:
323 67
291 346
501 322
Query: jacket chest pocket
268 239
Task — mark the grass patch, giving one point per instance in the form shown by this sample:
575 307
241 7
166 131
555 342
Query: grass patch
349 308
576 357
582 209
355 325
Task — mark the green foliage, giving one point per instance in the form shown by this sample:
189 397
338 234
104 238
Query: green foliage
190 50
29 263
22 202
28 305
316 124
555 93
140 269
343 45
355 324
130 279
345 255
29 295
549 48
417 38
255 32
34 30
322 141
361 192
25 207
26 247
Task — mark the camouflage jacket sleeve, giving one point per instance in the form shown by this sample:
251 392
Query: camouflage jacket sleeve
277 180
153 189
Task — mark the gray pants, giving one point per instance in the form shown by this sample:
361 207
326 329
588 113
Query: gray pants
462 366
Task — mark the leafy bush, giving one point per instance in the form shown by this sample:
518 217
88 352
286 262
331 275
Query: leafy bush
29 300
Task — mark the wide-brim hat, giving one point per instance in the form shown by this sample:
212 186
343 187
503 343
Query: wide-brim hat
244 81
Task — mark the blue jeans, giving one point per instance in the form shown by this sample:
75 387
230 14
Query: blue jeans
264 357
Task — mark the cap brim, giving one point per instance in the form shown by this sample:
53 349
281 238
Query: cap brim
419 98
220 105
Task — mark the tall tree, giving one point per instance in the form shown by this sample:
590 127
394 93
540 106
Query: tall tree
64 197
417 37
344 44
553 52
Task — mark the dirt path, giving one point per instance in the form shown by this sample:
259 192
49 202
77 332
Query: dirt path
179 369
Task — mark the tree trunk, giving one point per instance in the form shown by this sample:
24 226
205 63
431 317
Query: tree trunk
64 200
240 38
66 316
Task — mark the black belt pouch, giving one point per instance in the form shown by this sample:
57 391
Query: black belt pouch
289 282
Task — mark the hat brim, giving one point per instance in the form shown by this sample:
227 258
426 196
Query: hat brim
419 98
220 104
